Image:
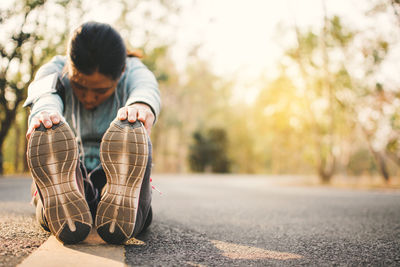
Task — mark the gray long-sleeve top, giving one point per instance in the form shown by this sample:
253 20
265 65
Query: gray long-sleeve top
51 91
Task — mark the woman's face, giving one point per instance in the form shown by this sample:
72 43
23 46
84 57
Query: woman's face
91 90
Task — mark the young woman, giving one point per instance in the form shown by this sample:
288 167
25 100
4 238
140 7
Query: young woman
89 151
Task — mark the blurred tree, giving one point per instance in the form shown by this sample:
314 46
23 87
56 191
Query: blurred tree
374 103
338 102
192 99
283 127
168 135
396 9
318 65
243 149
200 152
209 151
11 90
219 147
146 24
205 105
31 42
380 120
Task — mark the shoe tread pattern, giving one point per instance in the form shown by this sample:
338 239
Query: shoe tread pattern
52 157
124 155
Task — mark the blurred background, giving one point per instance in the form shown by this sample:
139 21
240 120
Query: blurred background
306 88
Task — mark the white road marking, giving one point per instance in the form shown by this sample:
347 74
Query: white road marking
92 252
235 251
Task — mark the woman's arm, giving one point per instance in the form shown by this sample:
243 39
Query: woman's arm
43 98
144 101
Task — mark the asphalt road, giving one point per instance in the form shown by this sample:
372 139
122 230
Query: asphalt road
241 221
19 233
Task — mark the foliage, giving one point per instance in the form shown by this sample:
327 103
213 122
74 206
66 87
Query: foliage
335 98
29 45
209 151
327 112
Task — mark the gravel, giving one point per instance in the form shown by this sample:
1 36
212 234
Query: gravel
20 235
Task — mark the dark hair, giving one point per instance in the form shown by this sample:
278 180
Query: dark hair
97 47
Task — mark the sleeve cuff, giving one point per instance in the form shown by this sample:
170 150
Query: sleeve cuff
49 103
44 86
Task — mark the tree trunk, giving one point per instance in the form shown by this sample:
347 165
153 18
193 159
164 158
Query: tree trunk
395 158
17 158
1 162
380 160
326 169
24 159
5 126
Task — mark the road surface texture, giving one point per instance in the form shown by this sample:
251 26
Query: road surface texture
210 220
19 233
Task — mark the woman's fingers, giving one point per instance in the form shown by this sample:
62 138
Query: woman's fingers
132 113
55 118
147 117
128 113
138 111
142 114
35 123
44 117
122 113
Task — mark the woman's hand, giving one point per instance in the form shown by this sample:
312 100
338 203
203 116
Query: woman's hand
138 111
48 119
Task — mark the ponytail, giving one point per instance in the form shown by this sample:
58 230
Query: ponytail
135 53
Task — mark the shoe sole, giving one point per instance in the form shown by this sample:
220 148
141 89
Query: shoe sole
124 155
52 157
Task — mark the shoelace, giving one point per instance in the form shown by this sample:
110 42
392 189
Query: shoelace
33 198
154 188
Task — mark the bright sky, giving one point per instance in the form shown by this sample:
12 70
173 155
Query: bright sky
241 38
242 35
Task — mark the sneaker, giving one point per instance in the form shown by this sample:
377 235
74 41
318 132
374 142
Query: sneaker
52 158
124 154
